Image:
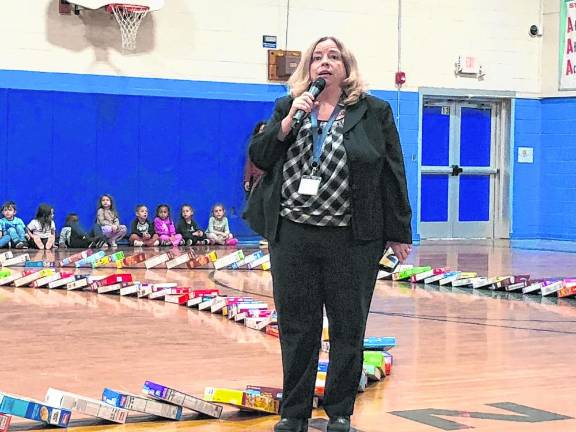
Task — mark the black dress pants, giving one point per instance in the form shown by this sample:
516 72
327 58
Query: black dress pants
313 267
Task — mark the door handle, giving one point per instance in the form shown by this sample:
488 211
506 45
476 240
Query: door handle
456 171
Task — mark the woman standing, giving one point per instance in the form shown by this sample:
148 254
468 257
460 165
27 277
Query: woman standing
334 197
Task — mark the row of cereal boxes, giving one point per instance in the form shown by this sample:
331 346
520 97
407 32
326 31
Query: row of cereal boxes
560 287
171 259
166 402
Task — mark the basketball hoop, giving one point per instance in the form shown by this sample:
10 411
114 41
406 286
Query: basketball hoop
129 18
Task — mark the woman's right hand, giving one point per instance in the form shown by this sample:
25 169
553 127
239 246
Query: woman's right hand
304 102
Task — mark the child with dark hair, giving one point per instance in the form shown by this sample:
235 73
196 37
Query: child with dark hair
42 228
73 235
187 226
107 218
142 232
165 228
12 229
65 232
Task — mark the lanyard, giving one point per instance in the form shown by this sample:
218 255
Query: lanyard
319 137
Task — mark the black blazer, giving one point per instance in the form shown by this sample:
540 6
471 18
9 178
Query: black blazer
379 196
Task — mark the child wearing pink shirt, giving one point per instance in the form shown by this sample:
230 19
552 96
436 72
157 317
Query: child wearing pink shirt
165 228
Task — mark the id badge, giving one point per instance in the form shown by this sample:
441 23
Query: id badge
309 185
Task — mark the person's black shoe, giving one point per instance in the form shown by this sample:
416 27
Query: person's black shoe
288 424
338 424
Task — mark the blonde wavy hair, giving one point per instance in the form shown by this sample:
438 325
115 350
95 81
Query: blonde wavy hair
353 86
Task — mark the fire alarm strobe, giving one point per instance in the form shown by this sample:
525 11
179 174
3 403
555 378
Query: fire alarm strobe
400 78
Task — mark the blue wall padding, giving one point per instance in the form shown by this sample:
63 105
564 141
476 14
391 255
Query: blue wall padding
69 148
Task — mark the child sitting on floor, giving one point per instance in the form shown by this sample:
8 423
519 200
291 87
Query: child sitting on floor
187 226
42 228
107 218
218 229
142 232
165 228
12 229
73 235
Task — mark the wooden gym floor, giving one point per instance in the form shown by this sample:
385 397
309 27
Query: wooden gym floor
479 359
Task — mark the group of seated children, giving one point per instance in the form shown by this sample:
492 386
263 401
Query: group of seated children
40 233
162 231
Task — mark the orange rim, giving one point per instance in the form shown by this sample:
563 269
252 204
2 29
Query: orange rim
131 8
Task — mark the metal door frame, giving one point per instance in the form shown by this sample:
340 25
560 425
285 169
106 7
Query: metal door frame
500 206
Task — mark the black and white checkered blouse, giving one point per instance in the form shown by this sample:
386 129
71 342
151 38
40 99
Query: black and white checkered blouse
331 206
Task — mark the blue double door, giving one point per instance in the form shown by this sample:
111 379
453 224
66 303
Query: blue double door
458 169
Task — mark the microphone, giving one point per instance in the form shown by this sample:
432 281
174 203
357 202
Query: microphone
315 88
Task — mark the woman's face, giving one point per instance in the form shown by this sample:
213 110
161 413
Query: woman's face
327 63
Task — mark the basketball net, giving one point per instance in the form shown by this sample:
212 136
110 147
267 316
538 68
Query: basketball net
129 18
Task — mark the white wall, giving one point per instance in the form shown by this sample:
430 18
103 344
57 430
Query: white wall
494 31
222 40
